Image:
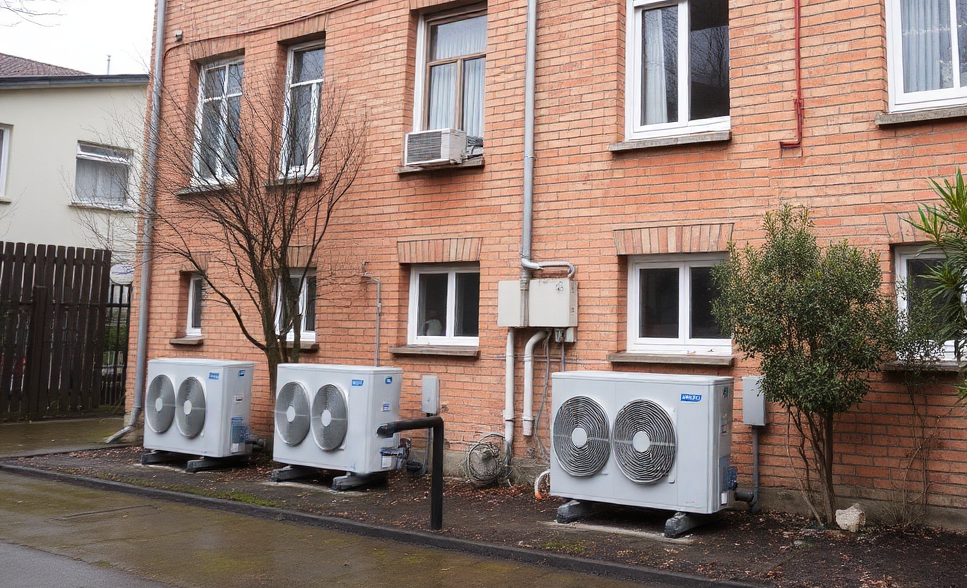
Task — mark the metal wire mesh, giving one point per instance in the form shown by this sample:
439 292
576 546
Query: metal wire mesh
159 404
644 441
330 420
580 436
190 404
292 397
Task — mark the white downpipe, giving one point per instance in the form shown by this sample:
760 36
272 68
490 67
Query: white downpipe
509 397
528 413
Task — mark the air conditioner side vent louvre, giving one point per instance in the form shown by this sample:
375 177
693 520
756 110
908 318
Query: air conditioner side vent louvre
436 147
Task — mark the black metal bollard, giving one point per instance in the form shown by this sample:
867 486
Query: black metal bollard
436 479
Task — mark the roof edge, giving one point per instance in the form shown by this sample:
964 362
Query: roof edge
29 82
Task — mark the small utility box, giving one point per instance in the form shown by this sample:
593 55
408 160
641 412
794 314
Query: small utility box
553 303
431 394
508 304
753 401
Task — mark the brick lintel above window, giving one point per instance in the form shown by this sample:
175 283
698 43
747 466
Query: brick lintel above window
673 239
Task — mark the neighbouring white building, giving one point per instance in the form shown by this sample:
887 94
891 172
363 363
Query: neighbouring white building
70 153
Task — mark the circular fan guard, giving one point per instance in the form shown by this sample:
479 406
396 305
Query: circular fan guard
650 457
582 458
329 417
191 420
159 404
293 398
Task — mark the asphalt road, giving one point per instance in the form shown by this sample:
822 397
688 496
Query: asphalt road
56 534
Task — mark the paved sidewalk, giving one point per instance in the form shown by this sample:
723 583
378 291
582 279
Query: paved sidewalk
39 437
196 547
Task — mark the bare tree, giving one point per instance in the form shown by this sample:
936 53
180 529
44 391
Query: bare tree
27 10
247 185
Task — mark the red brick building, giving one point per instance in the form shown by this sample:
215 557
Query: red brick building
662 130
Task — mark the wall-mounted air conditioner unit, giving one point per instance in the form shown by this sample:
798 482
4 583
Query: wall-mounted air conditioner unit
198 406
326 416
649 440
436 147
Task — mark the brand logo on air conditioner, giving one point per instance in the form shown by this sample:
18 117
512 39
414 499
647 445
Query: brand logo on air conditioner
389 380
691 397
386 407
212 375
357 383
241 373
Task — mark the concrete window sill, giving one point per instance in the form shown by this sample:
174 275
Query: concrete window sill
304 346
436 350
948 366
187 341
657 142
887 119
412 169
671 358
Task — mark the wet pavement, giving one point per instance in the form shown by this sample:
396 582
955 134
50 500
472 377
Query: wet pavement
54 533
183 545
33 438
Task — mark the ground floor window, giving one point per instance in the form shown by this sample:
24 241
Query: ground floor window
444 305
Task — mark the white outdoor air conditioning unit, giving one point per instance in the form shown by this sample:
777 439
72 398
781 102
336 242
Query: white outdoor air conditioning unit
198 406
436 147
326 416
649 440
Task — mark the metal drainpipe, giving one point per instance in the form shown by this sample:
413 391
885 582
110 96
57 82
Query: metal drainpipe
527 417
141 361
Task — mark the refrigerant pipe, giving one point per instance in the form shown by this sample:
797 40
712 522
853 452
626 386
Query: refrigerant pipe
528 412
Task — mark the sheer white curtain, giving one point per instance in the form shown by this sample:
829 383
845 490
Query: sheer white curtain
654 104
451 41
926 45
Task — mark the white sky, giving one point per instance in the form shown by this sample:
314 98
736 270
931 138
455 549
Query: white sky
83 34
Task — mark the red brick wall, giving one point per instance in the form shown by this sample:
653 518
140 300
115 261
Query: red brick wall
853 174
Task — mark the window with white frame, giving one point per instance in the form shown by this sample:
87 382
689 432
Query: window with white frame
195 292
4 156
677 71
217 121
927 53
912 269
670 305
301 123
303 282
101 175
444 305
450 73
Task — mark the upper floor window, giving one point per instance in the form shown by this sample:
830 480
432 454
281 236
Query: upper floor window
101 177
927 52
444 305
677 79
303 282
670 305
217 121
4 156
450 74
301 122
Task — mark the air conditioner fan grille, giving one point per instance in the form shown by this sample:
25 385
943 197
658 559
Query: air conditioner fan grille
329 417
190 404
292 413
581 436
644 441
159 404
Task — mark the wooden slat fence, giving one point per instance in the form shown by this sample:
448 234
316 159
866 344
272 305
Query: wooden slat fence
52 311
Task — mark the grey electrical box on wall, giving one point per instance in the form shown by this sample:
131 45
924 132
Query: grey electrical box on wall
431 394
753 401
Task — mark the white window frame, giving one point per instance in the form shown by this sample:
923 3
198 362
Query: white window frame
196 285
220 174
448 338
683 344
5 132
633 70
901 101
901 255
305 336
121 156
421 107
300 171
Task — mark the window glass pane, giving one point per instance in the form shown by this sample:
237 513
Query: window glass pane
214 82
432 311
309 316
962 39
308 65
100 182
919 284
462 37
231 136
468 305
708 42
927 56
703 293
473 97
235 78
196 293
659 76
442 98
207 163
301 126
658 316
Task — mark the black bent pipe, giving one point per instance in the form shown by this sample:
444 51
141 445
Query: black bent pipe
436 479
